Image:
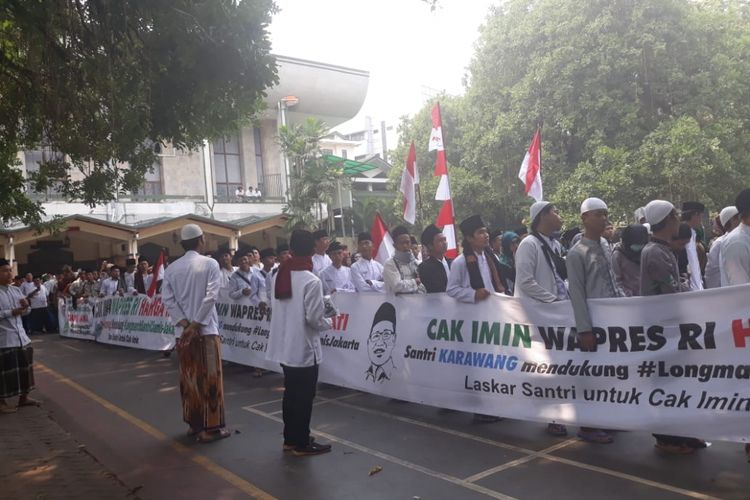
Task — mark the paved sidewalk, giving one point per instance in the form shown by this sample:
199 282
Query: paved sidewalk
42 461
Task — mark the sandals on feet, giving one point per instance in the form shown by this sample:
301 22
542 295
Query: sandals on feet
558 430
29 402
214 436
595 436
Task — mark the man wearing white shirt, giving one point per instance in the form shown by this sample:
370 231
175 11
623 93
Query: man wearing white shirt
190 290
298 318
729 218
16 353
735 249
337 277
246 284
142 280
735 253
39 318
474 276
268 260
367 273
112 286
320 258
129 275
225 263
540 268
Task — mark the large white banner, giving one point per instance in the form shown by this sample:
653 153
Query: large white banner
675 364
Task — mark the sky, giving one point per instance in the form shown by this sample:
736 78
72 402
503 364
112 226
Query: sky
412 53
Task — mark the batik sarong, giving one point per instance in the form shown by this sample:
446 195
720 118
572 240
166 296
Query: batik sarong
202 384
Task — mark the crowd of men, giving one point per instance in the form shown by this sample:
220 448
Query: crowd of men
664 252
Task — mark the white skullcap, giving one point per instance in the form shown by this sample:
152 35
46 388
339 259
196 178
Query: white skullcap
536 208
657 210
590 204
190 231
726 214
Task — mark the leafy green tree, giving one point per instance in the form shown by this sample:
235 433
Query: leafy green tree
639 100
103 82
314 183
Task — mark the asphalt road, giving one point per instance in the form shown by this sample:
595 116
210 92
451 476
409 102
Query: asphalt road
123 405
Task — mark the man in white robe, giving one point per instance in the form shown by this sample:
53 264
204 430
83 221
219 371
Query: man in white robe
337 277
367 273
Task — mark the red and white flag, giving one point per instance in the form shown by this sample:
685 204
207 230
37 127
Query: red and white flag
381 240
531 168
446 219
409 182
446 222
441 165
157 275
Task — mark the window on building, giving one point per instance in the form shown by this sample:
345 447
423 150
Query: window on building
343 153
326 151
227 166
152 185
33 160
259 159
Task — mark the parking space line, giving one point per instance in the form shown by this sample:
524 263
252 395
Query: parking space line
205 462
393 459
545 454
519 461
322 401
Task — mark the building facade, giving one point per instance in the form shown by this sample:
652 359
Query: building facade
234 187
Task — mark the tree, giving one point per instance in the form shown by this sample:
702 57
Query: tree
106 82
314 183
639 100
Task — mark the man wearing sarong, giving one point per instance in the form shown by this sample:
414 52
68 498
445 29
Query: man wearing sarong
16 353
189 291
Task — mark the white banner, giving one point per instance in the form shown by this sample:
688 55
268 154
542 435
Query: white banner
675 364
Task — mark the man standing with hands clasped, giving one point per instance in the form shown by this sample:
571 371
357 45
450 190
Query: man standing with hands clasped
297 320
590 276
474 274
189 291
16 353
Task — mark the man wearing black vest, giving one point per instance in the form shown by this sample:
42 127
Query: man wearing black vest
434 270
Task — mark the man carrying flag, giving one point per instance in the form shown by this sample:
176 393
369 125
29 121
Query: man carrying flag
531 168
382 243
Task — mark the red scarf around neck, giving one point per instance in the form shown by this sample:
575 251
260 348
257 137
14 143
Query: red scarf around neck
283 286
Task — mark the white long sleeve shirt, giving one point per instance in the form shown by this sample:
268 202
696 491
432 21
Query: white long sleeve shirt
296 323
109 287
39 301
713 264
364 270
190 290
257 286
694 266
320 262
339 279
735 257
12 333
535 278
459 282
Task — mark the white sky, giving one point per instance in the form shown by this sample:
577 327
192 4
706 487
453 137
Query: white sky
410 52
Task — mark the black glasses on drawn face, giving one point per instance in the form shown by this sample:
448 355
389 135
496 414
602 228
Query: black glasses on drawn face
382 336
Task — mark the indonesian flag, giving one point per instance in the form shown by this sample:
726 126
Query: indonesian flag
446 222
446 219
381 240
441 165
157 274
409 181
531 168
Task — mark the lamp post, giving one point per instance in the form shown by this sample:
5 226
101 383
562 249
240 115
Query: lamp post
284 104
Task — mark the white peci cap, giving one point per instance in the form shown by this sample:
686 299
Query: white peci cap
536 208
590 204
726 214
657 210
190 231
